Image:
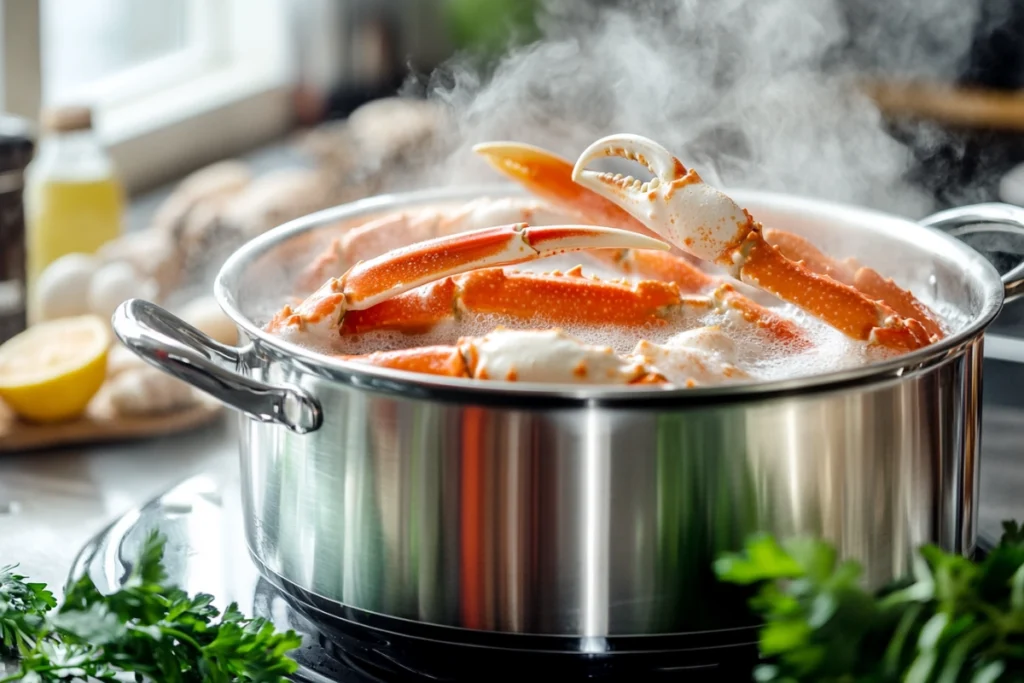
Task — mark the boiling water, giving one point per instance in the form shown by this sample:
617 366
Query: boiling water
755 352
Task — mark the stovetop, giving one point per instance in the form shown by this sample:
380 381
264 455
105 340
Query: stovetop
201 519
204 554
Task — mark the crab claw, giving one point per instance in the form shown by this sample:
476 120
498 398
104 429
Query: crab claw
549 176
703 221
368 283
675 203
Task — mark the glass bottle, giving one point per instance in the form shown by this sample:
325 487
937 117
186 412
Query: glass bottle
74 200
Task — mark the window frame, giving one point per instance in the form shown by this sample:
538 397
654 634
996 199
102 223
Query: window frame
220 104
205 21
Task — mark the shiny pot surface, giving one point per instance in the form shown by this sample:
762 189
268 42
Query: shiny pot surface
586 511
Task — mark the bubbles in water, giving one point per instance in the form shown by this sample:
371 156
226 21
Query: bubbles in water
762 357
755 352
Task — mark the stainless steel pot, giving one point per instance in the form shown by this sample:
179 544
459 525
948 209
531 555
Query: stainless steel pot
586 513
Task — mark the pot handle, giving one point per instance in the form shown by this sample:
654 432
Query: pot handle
170 344
980 218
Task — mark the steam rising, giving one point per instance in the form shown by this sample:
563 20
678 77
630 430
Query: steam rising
752 93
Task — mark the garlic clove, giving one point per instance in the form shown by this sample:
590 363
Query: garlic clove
146 391
62 289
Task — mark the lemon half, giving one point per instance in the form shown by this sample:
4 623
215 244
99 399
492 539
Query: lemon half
51 371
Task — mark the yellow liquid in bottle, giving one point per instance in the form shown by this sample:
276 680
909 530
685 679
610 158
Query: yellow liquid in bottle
66 216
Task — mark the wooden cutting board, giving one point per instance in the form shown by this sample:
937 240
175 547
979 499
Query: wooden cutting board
101 424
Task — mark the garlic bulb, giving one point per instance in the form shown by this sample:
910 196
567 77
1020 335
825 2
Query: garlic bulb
62 289
115 283
205 315
120 359
148 391
150 252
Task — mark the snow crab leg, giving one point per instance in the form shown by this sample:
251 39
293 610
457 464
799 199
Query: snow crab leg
555 297
865 280
551 177
379 235
704 355
414 288
519 355
369 283
706 223
562 298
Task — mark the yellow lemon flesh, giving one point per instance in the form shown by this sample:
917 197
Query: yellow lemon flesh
51 371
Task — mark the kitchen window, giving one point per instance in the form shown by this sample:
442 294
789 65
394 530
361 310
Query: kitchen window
119 49
174 84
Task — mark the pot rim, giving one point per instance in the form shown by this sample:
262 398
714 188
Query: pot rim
499 392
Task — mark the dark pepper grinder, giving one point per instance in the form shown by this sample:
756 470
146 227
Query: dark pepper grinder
17 145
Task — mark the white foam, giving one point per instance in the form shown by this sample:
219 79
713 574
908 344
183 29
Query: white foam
753 351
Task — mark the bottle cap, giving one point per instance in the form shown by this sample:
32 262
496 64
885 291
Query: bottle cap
67 119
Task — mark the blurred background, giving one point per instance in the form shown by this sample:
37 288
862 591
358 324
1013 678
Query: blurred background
224 118
178 84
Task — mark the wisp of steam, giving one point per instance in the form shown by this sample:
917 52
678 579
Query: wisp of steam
753 93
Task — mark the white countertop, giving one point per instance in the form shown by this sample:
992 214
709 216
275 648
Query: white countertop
53 502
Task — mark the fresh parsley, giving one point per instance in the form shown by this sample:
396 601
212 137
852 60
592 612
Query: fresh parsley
953 620
146 628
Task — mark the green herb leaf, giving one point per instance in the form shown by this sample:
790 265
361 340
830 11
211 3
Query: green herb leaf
953 620
146 628
764 560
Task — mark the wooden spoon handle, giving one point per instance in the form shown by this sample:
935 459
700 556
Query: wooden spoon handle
971 107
